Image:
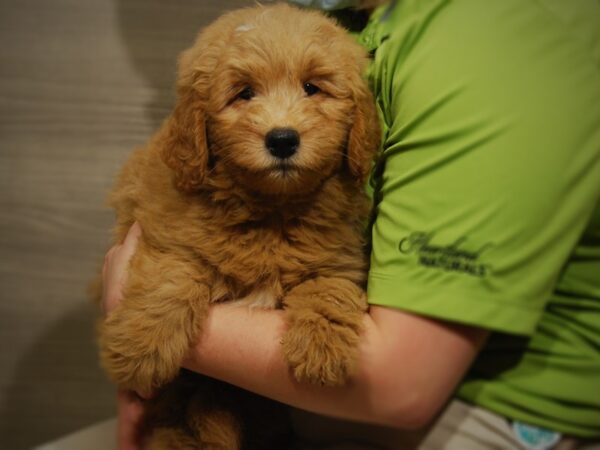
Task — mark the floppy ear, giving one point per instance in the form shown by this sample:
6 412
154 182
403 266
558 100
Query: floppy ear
183 143
365 134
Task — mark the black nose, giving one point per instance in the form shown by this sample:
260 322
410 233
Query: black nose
282 142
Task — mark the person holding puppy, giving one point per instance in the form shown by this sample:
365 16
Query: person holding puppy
485 270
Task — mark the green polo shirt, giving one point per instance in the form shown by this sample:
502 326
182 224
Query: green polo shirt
486 195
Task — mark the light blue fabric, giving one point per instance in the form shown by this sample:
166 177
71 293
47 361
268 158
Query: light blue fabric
328 5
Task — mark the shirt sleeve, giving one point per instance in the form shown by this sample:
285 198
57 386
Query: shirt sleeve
490 164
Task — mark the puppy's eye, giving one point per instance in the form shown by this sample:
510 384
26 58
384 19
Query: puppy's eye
311 89
246 94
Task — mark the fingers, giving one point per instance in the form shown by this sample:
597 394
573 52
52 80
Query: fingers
114 270
130 243
114 274
130 412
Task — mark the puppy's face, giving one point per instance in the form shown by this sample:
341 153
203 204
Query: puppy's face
281 101
280 112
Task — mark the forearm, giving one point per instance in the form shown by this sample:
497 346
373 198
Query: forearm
248 354
242 347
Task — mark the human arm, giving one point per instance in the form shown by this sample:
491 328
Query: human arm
408 365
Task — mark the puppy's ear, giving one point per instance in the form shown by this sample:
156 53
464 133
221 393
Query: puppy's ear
365 134
183 137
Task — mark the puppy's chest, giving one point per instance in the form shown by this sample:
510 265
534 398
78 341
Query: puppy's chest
260 264
258 254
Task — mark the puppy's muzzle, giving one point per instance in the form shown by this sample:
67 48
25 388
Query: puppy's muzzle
282 142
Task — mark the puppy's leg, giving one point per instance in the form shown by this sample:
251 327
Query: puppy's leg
144 340
214 429
170 439
324 318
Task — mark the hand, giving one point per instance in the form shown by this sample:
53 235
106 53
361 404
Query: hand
114 275
114 271
130 412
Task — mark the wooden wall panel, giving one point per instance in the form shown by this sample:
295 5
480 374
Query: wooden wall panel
81 84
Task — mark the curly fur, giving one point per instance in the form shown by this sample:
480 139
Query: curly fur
223 222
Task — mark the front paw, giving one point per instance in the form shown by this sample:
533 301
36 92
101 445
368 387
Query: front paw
143 373
320 351
142 365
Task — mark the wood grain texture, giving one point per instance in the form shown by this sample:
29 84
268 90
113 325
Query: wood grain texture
81 84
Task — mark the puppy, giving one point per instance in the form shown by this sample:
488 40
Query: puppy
252 190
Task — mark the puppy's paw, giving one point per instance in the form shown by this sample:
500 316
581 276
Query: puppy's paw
320 351
170 438
141 373
325 317
140 362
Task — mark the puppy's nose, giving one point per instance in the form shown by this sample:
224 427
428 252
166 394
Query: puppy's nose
282 142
